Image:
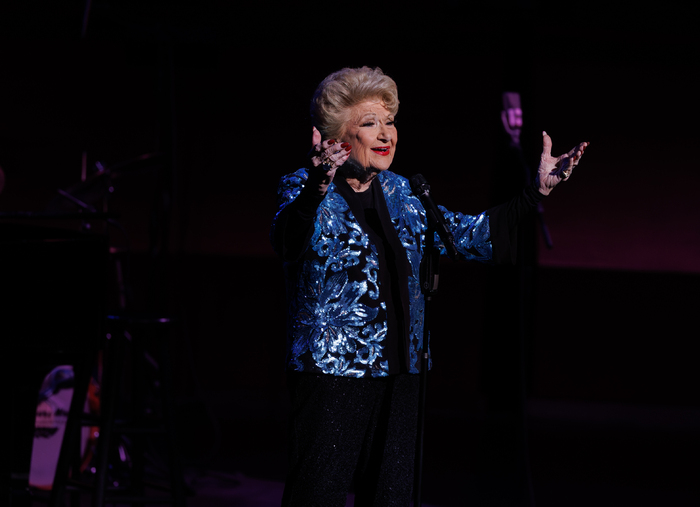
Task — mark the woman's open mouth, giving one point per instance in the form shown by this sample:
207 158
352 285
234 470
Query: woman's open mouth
382 150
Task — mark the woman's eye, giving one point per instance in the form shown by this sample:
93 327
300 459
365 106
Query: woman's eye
368 124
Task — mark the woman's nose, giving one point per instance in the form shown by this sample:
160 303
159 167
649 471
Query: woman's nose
385 133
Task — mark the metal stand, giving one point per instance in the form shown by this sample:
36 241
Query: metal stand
128 484
430 268
145 420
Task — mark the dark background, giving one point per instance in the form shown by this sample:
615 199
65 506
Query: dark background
220 91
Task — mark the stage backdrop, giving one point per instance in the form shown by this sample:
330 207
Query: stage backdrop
225 95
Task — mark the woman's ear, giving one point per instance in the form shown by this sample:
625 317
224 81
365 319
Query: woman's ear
315 136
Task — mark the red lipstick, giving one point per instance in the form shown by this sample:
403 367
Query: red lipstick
382 150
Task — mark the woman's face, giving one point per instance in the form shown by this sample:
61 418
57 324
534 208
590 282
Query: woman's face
372 134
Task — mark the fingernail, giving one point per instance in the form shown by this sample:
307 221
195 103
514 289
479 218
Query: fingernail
348 148
331 142
344 145
544 133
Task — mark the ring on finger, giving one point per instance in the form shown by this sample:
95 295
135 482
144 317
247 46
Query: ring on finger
327 164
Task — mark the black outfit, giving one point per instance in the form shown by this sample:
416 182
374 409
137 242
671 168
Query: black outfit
363 428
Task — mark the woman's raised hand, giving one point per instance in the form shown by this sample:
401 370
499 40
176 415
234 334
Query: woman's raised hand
554 170
326 156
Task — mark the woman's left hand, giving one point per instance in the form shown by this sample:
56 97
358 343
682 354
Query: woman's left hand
554 170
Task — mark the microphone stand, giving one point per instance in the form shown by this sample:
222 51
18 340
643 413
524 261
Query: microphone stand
430 274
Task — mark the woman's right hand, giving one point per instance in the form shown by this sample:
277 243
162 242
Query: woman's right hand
326 156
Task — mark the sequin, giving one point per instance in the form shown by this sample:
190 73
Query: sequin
338 318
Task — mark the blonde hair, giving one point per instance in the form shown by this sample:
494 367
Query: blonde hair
340 91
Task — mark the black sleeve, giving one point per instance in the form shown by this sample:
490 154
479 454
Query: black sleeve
504 220
294 224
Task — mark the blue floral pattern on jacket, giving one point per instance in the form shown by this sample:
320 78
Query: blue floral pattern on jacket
337 314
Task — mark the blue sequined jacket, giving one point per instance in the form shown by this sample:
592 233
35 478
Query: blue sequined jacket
337 311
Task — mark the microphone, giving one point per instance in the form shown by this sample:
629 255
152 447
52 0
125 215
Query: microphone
421 188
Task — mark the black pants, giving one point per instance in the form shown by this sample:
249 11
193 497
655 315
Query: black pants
345 429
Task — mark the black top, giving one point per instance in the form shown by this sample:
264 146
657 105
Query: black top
393 273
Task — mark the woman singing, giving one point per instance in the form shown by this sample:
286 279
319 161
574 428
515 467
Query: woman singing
352 236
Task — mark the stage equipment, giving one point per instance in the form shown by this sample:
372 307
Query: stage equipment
52 300
56 298
429 278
